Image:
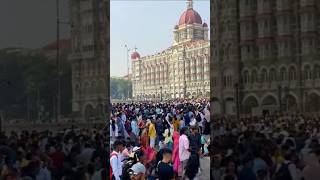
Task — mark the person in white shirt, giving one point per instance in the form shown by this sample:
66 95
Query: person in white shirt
115 161
184 151
113 129
193 121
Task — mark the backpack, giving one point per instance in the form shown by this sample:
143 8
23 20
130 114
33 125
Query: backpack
128 126
126 168
159 127
111 174
283 173
157 169
198 117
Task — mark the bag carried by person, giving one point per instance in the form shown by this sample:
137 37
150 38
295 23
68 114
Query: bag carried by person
198 117
126 168
128 126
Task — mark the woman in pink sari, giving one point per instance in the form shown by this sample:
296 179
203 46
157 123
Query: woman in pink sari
175 152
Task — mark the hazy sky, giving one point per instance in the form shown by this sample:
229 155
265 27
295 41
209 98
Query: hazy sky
30 23
148 24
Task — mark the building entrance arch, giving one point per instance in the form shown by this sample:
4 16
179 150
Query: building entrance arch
89 112
313 102
249 103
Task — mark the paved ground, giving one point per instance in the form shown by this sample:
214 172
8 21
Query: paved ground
205 168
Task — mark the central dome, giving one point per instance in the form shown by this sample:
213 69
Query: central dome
190 16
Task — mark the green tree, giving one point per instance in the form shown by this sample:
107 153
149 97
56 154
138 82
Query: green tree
119 88
30 85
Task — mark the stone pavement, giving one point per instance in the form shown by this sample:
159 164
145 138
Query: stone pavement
205 168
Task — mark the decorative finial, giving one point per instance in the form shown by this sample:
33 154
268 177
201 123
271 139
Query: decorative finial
135 48
190 4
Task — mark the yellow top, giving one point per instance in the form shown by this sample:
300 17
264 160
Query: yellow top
152 131
176 124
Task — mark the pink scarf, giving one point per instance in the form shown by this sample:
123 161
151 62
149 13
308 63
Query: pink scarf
175 153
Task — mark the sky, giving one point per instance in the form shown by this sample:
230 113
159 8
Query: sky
31 23
146 24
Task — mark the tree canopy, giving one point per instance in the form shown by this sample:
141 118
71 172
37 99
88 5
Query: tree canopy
28 83
119 88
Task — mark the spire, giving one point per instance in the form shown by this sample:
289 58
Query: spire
135 48
190 4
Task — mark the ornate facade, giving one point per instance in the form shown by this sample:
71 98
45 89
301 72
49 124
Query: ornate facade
274 46
89 58
180 71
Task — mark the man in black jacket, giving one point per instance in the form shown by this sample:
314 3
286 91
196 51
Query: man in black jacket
195 142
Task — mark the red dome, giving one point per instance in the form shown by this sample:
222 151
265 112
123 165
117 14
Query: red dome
135 55
190 16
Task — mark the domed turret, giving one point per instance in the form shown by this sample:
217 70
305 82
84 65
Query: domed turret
205 25
135 55
190 16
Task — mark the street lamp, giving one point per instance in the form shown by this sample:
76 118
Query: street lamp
161 93
59 69
128 50
279 98
237 101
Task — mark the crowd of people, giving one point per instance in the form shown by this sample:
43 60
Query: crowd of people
159 140
165 141
69 154
271 147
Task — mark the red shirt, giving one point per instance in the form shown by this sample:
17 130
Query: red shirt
57 159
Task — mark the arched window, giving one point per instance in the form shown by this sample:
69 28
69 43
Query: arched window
316 71
227 53
222 55
292 73
264 76
272 75
246 77
76 91
307 72
254 76
283 74
87 87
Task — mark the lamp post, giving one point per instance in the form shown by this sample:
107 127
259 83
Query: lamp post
279 97
58 109
218 57
237 101
161 93
128 50
58 63
184 73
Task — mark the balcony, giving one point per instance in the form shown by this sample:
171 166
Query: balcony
283 6
247 11
74 56
264 9
305 3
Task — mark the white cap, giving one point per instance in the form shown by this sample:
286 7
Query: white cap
135 149
138 168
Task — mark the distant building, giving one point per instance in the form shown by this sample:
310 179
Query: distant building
88 58
127 77
23 51
180 71
270 49
50 50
